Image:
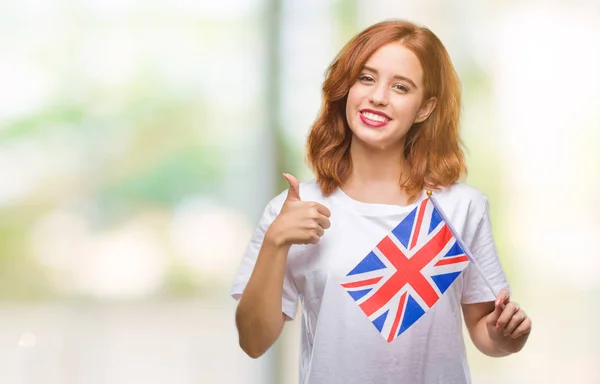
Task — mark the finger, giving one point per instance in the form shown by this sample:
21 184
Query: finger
323 210
320 231
507 314
523 328
324 222
514 322
294 191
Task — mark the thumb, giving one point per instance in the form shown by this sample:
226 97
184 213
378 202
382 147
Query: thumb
493 317
294 191
502 299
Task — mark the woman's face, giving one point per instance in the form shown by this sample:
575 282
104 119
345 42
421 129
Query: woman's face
387 98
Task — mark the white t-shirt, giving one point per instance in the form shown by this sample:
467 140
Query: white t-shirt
339 344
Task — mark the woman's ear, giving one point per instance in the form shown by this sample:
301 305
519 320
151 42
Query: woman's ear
426 109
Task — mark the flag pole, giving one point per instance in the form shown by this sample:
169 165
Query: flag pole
460 242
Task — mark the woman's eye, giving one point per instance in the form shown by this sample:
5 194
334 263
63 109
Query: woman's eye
400 87
366 78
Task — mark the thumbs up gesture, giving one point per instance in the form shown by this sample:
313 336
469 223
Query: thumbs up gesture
299 222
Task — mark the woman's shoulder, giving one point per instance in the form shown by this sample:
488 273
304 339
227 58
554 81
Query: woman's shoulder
463 190
463 195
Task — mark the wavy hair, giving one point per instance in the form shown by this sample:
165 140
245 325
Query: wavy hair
432 148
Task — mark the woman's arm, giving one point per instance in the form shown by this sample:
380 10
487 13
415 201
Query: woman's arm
258 317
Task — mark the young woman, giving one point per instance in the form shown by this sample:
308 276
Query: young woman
386 134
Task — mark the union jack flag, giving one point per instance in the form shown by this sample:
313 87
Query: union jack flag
407 272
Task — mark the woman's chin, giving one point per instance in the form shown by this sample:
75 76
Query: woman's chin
375 143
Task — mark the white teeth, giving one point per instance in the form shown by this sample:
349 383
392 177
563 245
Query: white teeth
374 117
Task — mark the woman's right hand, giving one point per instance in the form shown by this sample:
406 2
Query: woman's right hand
299 222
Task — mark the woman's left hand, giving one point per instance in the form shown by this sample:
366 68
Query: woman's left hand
507 321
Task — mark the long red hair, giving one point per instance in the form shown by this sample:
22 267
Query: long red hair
432 147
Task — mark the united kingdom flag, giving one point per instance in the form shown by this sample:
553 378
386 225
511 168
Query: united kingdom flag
407 272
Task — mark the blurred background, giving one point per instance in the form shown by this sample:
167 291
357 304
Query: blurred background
141 140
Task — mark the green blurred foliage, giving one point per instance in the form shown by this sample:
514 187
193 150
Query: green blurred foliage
161 157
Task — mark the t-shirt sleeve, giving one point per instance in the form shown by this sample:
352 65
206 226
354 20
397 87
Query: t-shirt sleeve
289 299
483 249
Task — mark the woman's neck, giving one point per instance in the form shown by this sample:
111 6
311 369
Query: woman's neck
375 176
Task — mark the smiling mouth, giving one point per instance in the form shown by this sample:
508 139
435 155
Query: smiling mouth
374 117
373 120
